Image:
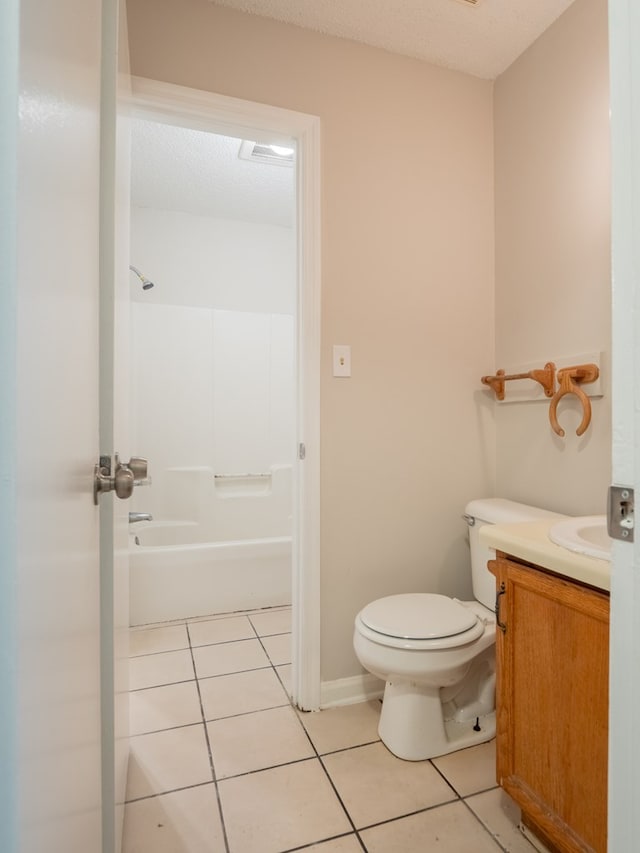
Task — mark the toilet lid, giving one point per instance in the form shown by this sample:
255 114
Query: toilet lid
418 616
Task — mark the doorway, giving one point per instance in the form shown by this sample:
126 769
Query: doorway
246 479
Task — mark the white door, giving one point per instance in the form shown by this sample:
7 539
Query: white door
50 662
624 745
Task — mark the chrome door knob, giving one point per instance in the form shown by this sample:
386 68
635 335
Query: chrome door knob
122 482
139 466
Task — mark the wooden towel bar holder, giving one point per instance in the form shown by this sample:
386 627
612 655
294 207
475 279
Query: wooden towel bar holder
570 379
546 377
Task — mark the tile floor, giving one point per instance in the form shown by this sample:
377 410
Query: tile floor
222 763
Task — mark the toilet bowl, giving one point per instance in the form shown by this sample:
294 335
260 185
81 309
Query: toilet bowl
436 654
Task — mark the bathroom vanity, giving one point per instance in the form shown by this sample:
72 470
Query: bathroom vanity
552 653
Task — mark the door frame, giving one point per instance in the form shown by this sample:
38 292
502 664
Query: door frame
624 683
200 110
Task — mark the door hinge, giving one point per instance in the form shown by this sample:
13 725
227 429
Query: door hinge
620 513
302 451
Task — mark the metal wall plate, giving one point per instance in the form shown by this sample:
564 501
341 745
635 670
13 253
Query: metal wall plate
620 513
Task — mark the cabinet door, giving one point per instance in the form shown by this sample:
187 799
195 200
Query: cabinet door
552 701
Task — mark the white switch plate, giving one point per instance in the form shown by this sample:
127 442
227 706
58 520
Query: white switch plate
341 360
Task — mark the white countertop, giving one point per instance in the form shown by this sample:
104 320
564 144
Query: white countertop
529 541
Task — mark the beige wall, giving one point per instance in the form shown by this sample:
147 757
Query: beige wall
407 279
553 253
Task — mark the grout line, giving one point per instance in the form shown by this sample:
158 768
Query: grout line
237 614
167 729
319 758
270 767
410 814
155 654
163 652
324 841
248 713
480 791
152 626
335 791
437 769
170 791
348 748
274 634
224 643
330 780
282 684
271 663
235 671
206 737
254 629
268 665
487 829
164 684
209 617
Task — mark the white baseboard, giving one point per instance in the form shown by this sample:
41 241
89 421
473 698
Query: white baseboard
348 691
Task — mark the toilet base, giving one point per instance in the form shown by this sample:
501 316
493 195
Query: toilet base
412 725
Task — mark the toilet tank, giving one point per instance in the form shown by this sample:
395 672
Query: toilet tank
493 511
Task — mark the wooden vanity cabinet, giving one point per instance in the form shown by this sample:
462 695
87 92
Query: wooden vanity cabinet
552 703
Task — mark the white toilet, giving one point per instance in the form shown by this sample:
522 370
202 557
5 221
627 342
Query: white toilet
437 654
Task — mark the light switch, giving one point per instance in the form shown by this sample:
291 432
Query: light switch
341 360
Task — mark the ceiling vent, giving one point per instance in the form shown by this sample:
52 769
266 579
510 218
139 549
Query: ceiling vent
262 153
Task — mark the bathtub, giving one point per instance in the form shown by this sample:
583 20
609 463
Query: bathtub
174 576
218 544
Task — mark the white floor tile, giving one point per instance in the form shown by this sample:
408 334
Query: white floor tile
147 641
180 822
447 829
257 741
340 728
166 707
470 770
278 648
271 622
165 761
284 673
165 668
374 785
501 816
220 631
225 658
282 808
241 693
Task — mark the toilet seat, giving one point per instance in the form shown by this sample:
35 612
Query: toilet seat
419 621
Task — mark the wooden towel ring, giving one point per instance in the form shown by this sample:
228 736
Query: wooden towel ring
570 381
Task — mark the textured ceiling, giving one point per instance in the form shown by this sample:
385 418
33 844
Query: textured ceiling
482 40
174 168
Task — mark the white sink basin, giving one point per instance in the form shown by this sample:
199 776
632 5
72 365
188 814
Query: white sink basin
586 534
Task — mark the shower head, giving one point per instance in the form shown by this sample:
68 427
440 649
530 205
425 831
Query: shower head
146 284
